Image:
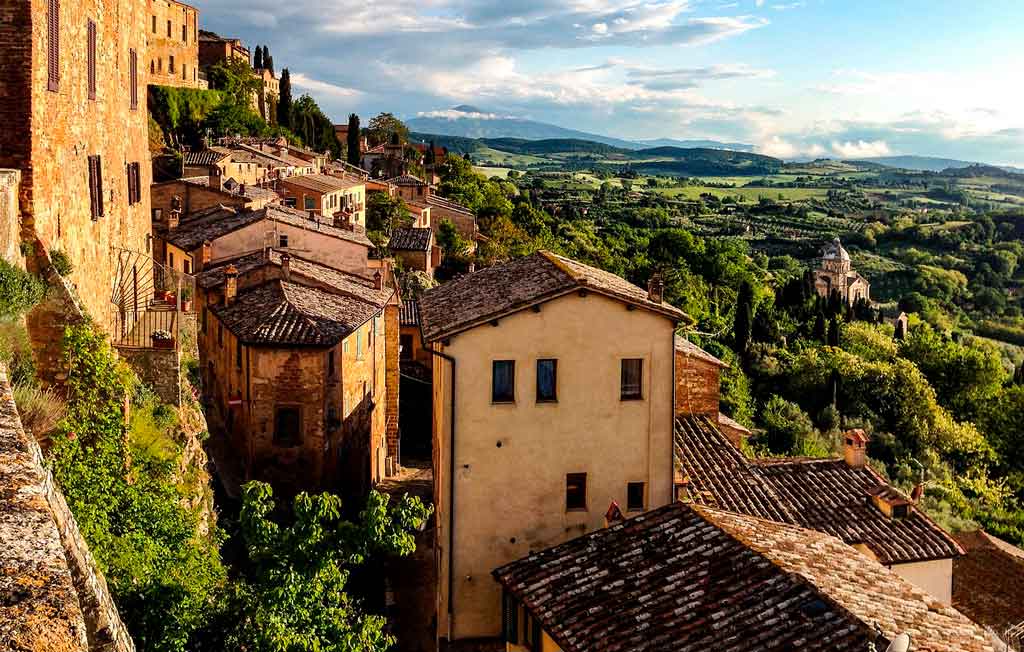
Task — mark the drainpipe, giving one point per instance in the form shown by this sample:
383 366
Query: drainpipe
451 491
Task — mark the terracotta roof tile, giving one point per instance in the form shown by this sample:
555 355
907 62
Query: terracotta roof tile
411 239
687 347
213 223
988 581
442 202
321 182
406 180
684 578
208 156
511 286
823 494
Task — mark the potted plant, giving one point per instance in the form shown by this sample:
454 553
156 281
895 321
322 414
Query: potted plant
162 339
186 300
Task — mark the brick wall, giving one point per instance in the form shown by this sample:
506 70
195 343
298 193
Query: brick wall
158 368
697 389
392 382
161 46
193 197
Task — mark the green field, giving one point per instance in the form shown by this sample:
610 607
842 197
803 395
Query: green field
748 194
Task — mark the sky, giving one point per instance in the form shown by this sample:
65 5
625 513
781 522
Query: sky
810 78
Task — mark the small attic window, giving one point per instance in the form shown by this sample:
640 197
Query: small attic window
900 511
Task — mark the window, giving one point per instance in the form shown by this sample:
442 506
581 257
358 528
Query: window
154 24
53 45
168 29
359 345
330 364
635 496
134 183
547 380
287 426
170 64
133 78
238 354
405 346
158 214
503 381
184 33
186 266
308 203
282 240
632 379
170 260
96 186
90 58
183 74
576 491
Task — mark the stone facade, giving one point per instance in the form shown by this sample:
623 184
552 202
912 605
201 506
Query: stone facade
391 383
158 368
54 595
697 382
836 275
173 44
49 135
10 229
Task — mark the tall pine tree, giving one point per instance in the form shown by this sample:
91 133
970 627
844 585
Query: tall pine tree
268 61
257 58
284 102
833 332
744 321
353 155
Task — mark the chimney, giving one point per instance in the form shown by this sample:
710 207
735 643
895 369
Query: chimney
656 288
241 189
855 448
286 267
230 284
378 280
283 151
613 515
173 219
917 493
206 254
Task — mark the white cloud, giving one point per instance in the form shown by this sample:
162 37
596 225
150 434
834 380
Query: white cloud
303 81
860 149
455 114
600 28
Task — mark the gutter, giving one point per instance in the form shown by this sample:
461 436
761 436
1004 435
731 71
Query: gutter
451 491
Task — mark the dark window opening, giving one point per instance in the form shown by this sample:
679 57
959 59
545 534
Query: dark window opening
287 427
184 33
632 379
95 186
900 511
282 240
134 183
576 491
154 24
503 381
170 64
635 496
168 29
405 346
547 380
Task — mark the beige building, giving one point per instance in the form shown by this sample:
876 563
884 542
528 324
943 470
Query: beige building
173 44
553 398
418 194
836 275
341 199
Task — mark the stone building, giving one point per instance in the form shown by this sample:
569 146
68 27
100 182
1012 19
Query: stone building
418 195
341 200
691 578
73 109
698 388
295 359
553 396
988 582
836 275
414 248
214 48
173 44
270 90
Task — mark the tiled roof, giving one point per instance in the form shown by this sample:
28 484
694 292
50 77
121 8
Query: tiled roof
988 581
406 180
410 239
208 156
823 494
215 222
685 578
409 314
321 182
441 202
724 420
306 271
273 152
287 313
690 349
514 285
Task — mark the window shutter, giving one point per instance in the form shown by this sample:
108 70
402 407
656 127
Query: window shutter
53 45
95 187
134 194
99 186
91 59
510 618
133 74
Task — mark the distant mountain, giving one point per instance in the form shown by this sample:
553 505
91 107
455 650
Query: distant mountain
472 122
691 144
928 163
557 146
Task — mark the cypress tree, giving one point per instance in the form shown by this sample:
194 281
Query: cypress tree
257 58
820 330
833 332
901 330
429 158
744 320
353 154
284 102
268 61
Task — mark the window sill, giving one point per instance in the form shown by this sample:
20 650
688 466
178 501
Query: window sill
547 401
493 402
576 510
631 398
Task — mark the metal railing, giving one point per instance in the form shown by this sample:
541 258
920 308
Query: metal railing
149 299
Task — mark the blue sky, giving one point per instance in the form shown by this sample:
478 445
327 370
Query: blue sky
795 78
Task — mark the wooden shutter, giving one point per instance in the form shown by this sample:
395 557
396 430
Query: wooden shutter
131 183
53 45
133 74
510 618
96 186
91 59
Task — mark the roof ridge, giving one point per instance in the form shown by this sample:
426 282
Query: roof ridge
555 260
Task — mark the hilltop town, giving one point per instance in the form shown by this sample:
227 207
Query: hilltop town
274 382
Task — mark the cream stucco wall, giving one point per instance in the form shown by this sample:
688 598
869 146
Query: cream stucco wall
935 577
511 460
341 254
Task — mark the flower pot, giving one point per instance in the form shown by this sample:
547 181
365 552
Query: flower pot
186 305
160 343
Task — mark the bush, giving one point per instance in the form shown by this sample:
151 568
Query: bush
61 262
19 290
40 409
16 353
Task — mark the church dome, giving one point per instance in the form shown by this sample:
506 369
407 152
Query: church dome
835 251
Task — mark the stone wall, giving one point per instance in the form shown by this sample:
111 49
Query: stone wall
391 382
55 597
10 236
47 320
158 368
183 48
697 389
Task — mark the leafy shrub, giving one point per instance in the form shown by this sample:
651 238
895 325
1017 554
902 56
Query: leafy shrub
19 290
61 262
40 409
16 353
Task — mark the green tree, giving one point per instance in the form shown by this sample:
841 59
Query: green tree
384 127
833 332
234 77
452 243
284 102
268 61
257 58
352 140
293 593
744 320
384 214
